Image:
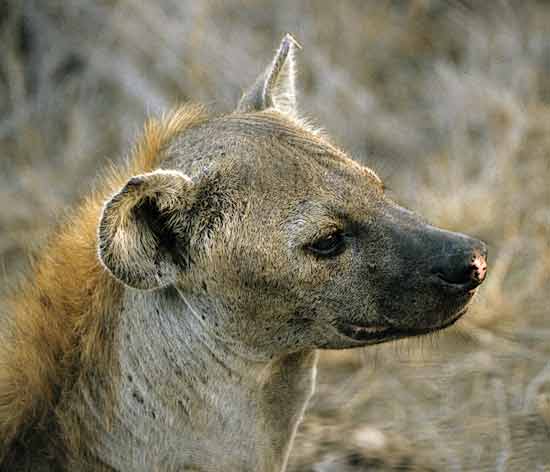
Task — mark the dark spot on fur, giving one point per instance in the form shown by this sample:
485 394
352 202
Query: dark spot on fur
130 378
72 65
137 397
405 464
25 36
355 459
45 301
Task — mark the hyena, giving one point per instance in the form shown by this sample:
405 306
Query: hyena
172 322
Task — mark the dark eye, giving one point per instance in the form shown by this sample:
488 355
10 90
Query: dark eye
328 246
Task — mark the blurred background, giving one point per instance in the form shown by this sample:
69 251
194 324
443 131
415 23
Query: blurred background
448 100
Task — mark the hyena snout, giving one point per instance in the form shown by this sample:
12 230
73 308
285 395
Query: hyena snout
461 261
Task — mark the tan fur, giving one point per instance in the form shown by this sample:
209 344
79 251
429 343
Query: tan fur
54 329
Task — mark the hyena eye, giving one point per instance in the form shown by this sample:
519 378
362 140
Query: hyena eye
328 246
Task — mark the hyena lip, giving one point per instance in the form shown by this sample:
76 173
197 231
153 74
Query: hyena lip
452 287
376 334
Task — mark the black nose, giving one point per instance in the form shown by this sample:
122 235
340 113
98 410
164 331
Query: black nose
463 263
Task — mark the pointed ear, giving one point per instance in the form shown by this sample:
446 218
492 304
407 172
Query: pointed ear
275 86
143 230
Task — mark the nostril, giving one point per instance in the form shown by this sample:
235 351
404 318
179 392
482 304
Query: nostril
478 266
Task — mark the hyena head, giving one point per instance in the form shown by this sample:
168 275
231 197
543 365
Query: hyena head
278 241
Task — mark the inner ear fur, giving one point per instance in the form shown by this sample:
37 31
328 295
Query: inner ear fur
144 227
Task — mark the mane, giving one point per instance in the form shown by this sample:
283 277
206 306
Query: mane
61 319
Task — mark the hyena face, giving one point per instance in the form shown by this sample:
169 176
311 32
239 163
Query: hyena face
284 241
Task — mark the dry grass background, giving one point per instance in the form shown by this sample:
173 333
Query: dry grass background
449 101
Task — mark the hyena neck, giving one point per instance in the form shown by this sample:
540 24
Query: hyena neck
186 399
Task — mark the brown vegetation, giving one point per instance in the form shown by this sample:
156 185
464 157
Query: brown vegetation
449 101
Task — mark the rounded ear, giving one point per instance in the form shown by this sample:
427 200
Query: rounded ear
275 86
143 230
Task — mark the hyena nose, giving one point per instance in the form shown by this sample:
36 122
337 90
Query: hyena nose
478 266
465 268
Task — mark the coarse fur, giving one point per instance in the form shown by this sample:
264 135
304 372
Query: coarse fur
172 322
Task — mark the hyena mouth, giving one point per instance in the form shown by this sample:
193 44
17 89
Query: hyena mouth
378 334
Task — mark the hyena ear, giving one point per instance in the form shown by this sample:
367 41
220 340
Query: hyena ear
144 229
275 86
